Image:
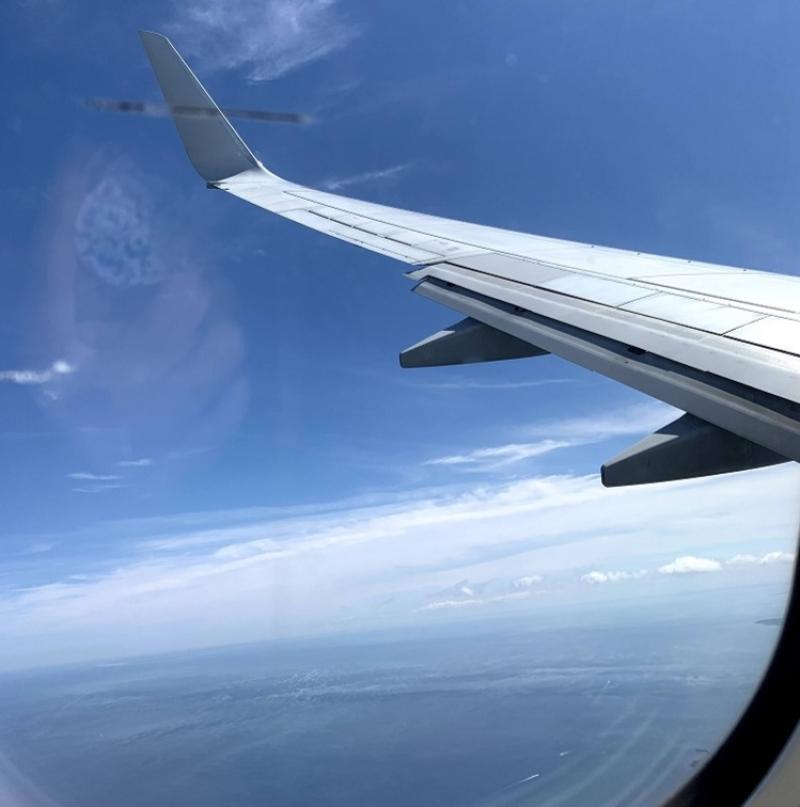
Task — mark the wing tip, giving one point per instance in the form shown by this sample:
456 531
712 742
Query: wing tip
212 144
145 34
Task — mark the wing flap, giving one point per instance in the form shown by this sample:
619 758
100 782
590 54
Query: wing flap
598 290
701 314
509 267
775 293
771 332
748 364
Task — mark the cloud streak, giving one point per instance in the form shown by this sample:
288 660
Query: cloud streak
267 38
365 178
491 592
629 420
598 578
499 456
100 488
564 433
768 559
55 370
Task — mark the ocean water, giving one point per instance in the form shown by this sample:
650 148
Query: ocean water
498 713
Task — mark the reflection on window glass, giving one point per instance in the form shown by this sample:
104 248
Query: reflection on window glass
247 559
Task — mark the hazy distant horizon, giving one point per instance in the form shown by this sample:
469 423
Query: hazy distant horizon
489 714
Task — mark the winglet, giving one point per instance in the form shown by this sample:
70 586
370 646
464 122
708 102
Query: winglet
213 146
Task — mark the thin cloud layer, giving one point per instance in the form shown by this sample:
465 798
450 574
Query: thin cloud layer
527 581
267 38
221 578
598 578
491 592
763 560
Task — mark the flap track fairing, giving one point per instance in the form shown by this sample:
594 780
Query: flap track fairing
467 342
686 448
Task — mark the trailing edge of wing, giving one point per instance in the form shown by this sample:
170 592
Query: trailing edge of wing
213 145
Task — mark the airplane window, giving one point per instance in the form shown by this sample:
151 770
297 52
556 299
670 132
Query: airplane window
251 557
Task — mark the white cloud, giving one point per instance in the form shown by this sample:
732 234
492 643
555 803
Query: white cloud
183 584
498 456
365 178
763 560
268 38
144 462
89 477
599 578
690 564
56 369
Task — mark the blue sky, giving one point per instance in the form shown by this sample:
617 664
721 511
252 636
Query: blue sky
208 436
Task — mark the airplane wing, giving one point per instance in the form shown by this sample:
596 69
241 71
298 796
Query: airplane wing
720 343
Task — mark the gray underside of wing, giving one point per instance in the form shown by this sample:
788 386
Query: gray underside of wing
721 343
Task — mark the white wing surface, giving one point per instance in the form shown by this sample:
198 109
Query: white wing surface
721 343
